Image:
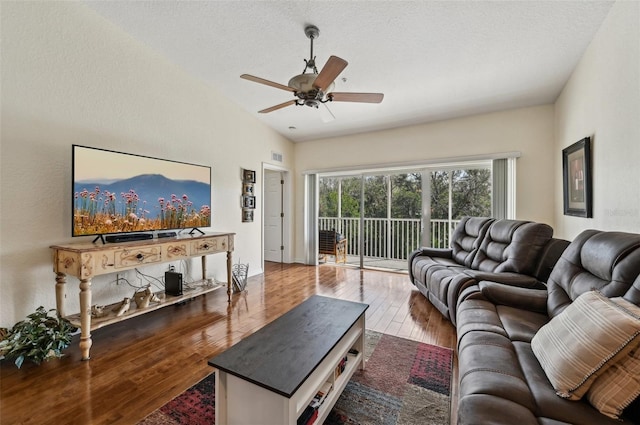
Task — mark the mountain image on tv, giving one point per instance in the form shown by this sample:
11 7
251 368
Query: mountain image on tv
140 203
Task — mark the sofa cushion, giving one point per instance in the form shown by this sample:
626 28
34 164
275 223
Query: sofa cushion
466 238
548 404
512 246
478 315
491 410
421 265
550 255
633 294
520 325
491 367
606 261
581 342
522 298
439 282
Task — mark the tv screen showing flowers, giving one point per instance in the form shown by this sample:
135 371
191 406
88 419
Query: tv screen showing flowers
115 192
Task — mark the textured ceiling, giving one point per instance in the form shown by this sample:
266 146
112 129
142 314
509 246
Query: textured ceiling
432 60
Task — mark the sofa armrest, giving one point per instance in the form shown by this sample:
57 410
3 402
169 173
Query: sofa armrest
513 296
427 252
436 252
507 278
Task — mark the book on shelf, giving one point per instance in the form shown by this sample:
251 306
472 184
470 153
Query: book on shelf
340 367
310 413
307 416
313 417
321 395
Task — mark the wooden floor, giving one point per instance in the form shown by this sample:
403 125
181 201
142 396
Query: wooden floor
140 364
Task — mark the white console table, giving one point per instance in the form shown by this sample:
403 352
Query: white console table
87 260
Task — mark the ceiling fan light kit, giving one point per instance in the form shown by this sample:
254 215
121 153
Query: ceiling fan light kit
313 88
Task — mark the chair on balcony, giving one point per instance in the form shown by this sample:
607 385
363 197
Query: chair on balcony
331 242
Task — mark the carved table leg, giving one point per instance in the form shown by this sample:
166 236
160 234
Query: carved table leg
229 281
204 267
85 318
61 295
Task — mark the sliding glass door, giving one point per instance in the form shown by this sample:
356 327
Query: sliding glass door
455 193
385 216
339 210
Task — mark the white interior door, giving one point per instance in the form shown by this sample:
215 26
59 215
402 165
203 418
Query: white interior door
273 216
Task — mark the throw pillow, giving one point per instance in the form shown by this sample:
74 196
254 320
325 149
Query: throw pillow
583 341
619 385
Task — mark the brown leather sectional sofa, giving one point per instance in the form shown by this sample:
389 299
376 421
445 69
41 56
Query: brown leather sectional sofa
501 381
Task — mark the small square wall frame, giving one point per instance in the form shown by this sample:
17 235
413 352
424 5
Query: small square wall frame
247 189
247 215
249 176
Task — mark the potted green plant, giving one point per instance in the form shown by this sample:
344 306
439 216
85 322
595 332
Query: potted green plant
41 336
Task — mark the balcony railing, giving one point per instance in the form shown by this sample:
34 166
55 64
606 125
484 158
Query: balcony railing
388 238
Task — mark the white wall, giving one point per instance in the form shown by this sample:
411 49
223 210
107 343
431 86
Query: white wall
602 100
528 130
69 76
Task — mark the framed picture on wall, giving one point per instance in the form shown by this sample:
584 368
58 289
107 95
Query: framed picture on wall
248 201
247 188
576 179
247 216
249 176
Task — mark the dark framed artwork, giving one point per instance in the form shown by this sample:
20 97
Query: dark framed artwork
247 189
249 176
247 216
248 201
576 179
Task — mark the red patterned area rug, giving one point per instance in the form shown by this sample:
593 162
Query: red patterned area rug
404 382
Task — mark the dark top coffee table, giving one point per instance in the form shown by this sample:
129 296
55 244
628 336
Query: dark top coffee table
271 376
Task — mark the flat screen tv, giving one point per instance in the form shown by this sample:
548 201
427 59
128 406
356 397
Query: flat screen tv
115 192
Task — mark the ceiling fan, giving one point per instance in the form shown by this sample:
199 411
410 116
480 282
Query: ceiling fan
313 88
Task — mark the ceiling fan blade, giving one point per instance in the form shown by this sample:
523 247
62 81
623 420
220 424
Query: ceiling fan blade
276 107
267 82
329 72
356 97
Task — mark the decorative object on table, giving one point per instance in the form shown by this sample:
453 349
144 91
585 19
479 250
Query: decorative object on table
410 388
239 274
576 179
123 307
98 311
41 336
247 215
145 297
248 201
